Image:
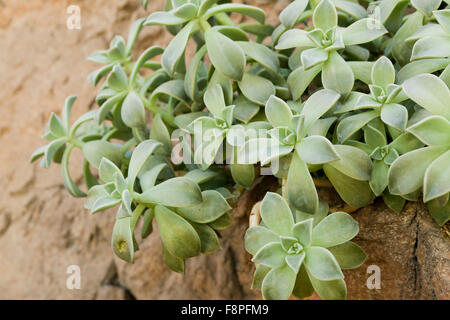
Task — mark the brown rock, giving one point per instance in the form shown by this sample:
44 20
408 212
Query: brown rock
43 230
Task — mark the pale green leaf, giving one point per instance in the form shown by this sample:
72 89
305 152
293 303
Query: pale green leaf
430 92
349 255
225 55
433 131
278 283
292 12
174 51
320 263
316 150
278 112
335 229
337 74
211 208
257 237
407 172
303 231
436 181
325 16
256 89
395 115
362 31
300 187
276 214
271 255
176 192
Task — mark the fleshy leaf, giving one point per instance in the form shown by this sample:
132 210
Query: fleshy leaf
317 105
122 241
436 181
95 150
295 261
133 111
303 231
430 92
276 214
335 229
178 236
407 172
140 155
383 72
353 162
356 193
329 290
256 89
337 74
395 115
278 112
212 207
349 255
107 171
225 55
299 80
362 31
433 131
271 255
292 12
257 237
300 187
262 54
175 49
303 287
176 192
440 214
214 100
322 264
209 241
258 277
325 16
316 150
278 283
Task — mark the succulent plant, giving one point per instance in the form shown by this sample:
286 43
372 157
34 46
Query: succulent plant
174 142
297 254
320 47
431 162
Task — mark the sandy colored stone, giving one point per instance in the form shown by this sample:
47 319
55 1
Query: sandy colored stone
43 230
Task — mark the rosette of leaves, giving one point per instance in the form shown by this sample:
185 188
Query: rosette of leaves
383 154
304 134
64 137
300 255
119 52
426 169
319 50
212 132
383 102
194 19
123 99
185 215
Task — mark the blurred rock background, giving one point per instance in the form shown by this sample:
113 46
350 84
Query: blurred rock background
43 230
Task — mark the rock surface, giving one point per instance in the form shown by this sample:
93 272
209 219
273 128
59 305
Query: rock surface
44 231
